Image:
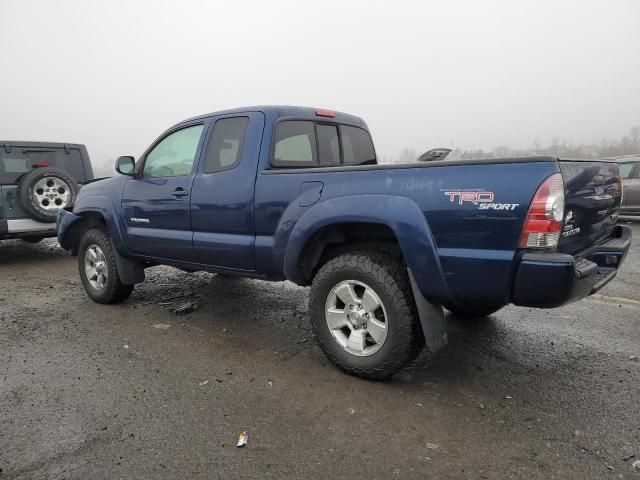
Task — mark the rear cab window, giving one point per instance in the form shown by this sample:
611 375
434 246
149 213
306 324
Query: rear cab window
357 146
295 144
328 145
308 143
14 165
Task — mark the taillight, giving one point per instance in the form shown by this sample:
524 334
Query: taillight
543 224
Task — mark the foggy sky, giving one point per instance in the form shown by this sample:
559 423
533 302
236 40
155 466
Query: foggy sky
423 74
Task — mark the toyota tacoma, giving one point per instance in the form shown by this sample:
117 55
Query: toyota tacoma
293 193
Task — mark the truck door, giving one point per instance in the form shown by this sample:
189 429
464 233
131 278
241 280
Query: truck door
222 212
156 201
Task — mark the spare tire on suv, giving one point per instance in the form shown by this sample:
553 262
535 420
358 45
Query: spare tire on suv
44 191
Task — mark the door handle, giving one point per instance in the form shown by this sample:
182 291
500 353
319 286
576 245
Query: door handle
179 192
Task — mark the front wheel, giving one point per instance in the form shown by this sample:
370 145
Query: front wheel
364 316
98 269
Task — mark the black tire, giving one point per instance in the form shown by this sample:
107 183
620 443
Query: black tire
34 205
114 291
473 311
389 280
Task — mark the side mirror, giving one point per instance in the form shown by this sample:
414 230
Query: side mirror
125 165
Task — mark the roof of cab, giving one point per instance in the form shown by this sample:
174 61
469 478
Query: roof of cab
284 111
21 143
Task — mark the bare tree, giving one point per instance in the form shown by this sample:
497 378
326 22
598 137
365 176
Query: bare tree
408 155
627 145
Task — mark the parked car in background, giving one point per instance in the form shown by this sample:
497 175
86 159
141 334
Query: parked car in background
296 193
630 172
36 180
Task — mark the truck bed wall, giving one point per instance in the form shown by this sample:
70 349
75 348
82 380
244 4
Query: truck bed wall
475 246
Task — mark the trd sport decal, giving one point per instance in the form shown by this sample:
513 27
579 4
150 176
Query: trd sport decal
472 197
484 200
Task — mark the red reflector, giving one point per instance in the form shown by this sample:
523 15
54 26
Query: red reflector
325 113
41 164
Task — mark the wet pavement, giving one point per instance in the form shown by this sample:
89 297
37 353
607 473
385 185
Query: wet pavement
134 391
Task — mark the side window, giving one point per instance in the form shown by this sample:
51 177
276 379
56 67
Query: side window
226 143
626 169
328 145
357 146
174 155
295 144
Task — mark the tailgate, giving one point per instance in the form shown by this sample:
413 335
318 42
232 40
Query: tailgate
593 192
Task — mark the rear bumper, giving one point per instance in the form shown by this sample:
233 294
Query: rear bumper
547 280
25 227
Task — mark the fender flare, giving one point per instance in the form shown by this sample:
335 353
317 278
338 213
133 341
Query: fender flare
401 214
103 206
130 271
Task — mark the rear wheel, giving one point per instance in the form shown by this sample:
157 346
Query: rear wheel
473 311
364 316
98 269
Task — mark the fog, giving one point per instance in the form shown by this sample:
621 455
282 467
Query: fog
424 74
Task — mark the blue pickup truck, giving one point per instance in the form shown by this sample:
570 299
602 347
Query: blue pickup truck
292 193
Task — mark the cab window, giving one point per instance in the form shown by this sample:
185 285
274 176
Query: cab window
357 146
295 144
175 154
328 145
305 143
226 144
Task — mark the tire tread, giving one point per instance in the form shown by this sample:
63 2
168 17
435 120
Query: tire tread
116 291
25 191
391 273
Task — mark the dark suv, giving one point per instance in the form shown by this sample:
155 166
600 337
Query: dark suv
36 180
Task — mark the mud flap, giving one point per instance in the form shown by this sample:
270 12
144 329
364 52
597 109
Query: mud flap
432 319
129 271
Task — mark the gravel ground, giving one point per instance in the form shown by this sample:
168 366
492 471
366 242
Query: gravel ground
133 391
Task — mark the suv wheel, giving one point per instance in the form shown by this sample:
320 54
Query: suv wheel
44 191
364 316
98 269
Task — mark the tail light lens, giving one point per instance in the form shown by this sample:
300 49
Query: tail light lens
544 220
